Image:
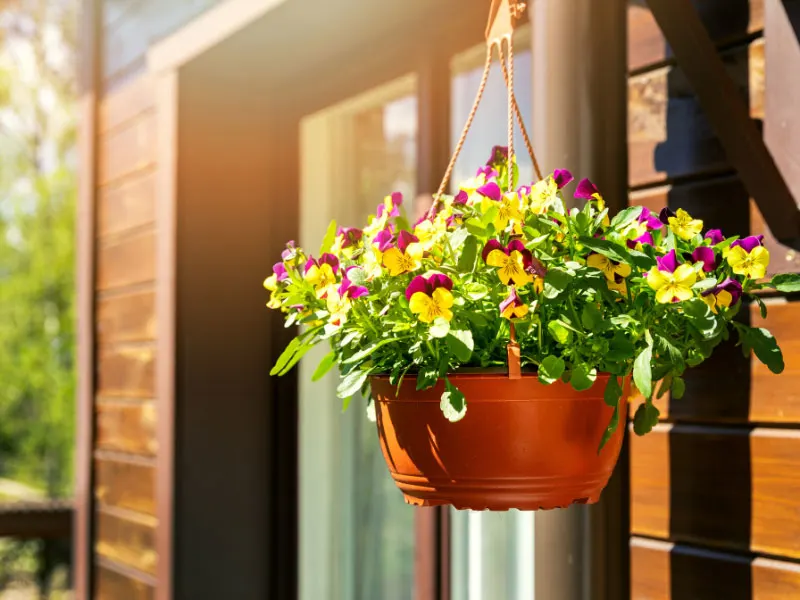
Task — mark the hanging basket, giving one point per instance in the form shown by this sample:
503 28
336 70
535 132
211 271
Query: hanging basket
524 445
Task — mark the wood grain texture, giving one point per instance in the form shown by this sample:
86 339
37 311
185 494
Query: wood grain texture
126 103
727 21
126 262
127 538
127 205
127 149
126 427
718 487
113 585
668 134
128 318
126 484
126 371
664 571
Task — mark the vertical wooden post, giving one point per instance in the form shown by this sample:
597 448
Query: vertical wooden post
580 114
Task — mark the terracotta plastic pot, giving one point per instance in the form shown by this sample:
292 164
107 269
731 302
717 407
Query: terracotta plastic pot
521 444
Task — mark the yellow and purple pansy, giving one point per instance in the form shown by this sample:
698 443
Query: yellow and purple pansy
749 257
513 307
681 223
322 272
705 255
390 206
405 257
671 282
714 236
610 268
724 295
514 262
562 177
430 297
586 190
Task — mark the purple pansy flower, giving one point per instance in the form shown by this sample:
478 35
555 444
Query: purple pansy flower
280 271
524 190
461 197
488 172
667 263
498 156
705 255
749 242
326 258
714 236
513 307
562 177
491 190
454 220
650 220
646 239
350 236
404 238
392 204
348 289
586 190
427 285
665 215
733 287
383 239
290 252
527 257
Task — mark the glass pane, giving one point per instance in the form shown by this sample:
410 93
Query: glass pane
492 553
356 532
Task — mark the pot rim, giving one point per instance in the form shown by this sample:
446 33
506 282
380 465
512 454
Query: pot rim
497 373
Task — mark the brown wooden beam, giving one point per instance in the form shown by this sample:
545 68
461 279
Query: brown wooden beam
40 520
728 114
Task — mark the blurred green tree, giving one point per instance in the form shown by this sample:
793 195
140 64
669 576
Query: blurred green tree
37 246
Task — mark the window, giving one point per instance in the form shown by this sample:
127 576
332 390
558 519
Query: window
356 532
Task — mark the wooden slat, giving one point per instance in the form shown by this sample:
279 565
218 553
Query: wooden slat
127 538
127 485
112 585
668 134
127 427
126 372
126 262
726 21
127 205
718 487
663 571
128 318
127 149
128 102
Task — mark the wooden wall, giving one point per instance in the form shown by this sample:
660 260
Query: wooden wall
714 488
125 453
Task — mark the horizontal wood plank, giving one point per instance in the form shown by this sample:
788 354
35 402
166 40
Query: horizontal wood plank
113 585
668 134
125 484
719 487
664 571
726 20
126 427
127 205
127 149
127 538
126 372
126 103
128 318
127 262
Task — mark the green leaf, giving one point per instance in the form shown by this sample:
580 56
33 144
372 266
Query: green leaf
286 355
766 348
626 216
352 383
613 392
700 315
439 328
427 377
678 388
550 369
786 282
458 237
621 348
475 291
357 276
402 223
642 373
612 427
489 215
761 306
607 248
466 261
591 317
365 352
583 378
475 227
346 403
461 344
664 387
665 346
559 331
324 366
641 260
330 237
704 284
453 403
645 419
556 281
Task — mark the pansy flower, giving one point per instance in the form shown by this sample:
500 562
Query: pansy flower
749 257
461 198
338 306
347 289
491 191
405 257
683 225
321 273
347 240
610 268
542 195
618 285
428 231
430 297
391 205
714 236
665 215
383 239
290 252
646 239
672 283
648 221
513 262
586 190
513 307
508 210
562 177
724 295
705 254
271 284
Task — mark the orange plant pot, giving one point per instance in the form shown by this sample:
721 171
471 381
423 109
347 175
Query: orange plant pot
521 444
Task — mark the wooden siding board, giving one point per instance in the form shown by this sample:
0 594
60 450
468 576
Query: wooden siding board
126 103
126 262
126 371
727 21
127 427
718 487
668 134
663 571
127 149
111 584
126 318
127 538
126 485
127 205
